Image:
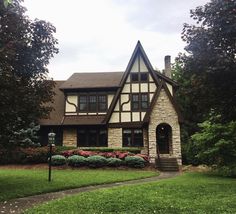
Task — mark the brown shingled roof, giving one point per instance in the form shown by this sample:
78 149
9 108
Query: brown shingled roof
93 80
83 120
56 115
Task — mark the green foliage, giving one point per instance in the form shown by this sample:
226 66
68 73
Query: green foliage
226 171
114 162
134 161
25 52
24 155
59 149
216 143
209 68
96 161
58 160
171 196
77 161
106 149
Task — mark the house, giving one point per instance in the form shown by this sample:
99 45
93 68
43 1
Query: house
135 108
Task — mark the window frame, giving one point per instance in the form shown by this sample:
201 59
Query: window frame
89 103
88 134
133 139
140 102
139 77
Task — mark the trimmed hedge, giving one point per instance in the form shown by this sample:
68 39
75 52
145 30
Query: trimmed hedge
77 161
114 162
58 160
97 161
135 161
106 149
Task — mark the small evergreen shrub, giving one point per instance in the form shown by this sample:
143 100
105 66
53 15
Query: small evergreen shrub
77 161
135 161
97 161
114 162
226 171
58 160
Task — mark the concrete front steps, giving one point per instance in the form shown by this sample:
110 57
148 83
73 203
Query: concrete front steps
167 164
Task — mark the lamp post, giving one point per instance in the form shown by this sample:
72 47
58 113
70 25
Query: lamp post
51 141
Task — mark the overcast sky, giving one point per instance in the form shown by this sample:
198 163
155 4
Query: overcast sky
100 35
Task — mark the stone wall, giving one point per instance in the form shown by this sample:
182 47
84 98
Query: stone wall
70 137
115 137
164 112
145 142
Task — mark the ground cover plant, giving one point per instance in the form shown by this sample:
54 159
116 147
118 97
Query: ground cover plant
23 182
189 193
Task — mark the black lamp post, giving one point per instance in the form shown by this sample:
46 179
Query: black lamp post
51 141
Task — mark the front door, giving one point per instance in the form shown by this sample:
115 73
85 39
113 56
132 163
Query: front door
163 137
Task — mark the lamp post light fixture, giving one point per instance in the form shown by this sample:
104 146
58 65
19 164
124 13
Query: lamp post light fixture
51 141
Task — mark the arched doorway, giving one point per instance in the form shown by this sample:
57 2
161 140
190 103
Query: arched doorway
163 138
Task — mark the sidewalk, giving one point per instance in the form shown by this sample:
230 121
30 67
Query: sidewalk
17 206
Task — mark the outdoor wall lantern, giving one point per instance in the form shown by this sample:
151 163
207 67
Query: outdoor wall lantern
51 143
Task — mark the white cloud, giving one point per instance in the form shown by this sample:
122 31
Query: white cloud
101 35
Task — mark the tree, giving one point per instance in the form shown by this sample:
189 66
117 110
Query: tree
26 47
210 65
216 145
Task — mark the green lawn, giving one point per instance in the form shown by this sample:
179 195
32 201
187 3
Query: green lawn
24 182
189 193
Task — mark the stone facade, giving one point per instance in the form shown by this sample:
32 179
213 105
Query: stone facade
115 137
145 142
164 112
70 137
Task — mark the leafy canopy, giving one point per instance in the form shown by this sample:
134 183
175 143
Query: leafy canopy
210 65
26 47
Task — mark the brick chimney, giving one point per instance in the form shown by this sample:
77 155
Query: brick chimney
167 71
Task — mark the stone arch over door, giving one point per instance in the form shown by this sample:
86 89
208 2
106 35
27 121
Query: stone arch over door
164 138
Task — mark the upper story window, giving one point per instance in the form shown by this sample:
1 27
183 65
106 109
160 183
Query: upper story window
139 102
83 103
139 77
93 103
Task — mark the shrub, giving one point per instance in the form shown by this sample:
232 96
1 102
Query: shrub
77 161
35 155
97 161
58 160
107 154
115 162
122 155
226 171
135 161
60 149
145 157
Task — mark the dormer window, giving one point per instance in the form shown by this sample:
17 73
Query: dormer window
139 77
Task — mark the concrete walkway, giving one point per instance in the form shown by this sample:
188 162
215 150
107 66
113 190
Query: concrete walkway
18 205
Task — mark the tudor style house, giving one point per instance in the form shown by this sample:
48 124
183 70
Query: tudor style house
135 108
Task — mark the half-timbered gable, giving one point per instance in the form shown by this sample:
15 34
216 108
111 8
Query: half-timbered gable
134 108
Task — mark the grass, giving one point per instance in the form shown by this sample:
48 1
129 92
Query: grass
24 182
189 193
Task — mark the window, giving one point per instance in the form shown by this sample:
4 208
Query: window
140 76
93 103
90 137
139 102
143 77
102 103
135 102
132 137
144 101
83 103
134 77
